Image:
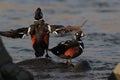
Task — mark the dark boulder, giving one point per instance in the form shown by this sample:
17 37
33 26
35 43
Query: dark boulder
9 70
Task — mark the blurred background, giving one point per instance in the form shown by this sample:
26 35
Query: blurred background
102 31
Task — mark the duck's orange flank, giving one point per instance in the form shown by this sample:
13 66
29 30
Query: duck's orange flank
71 52
33 39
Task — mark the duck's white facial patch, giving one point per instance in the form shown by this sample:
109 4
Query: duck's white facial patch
76 34
82 34
49 28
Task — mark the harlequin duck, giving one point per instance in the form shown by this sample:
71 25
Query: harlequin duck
39 32
69 49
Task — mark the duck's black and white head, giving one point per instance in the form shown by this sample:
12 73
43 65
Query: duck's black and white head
38 14
78 35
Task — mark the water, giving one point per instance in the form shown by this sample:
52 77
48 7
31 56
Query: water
102 32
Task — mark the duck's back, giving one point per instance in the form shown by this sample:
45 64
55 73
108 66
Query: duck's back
67 49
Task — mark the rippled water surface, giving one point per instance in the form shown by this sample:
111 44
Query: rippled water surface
102 32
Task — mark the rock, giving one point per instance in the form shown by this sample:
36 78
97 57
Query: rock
14 72
82 66
115 75
4 55
37 62
112 77
41 64
45 64
1 78
9 70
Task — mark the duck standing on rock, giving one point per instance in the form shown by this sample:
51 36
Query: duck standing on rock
71 48
39 32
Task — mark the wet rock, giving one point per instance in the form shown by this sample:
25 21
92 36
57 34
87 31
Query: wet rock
115 75
82 66
37 62
9 70
14 72
43 64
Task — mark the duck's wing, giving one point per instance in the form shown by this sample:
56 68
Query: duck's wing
55 27
18 33
59 49
60 29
